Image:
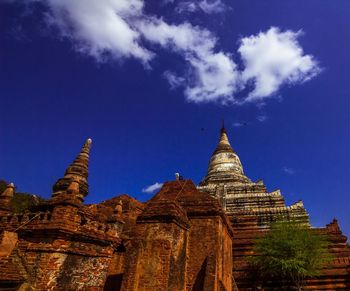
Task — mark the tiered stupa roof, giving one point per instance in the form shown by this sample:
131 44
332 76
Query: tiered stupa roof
241 197
224 165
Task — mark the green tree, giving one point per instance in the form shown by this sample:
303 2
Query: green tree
3 185
25 201
21 201
290 252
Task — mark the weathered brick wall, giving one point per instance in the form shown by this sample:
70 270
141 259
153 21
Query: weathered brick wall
210 255
45 269
66 215
8 241
157 258
64 245
83 273
64 271
117 263
225 257
57 250
201 247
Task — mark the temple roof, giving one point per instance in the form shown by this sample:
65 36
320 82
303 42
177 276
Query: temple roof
179 201
224 165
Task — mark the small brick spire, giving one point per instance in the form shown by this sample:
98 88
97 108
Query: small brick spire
75 178
6 199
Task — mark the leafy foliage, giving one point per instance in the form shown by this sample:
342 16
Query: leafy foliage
3 185
24 201
290 252
21 201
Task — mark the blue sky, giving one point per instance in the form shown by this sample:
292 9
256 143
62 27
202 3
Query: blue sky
150 82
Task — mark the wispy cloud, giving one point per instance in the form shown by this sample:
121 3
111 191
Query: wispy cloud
119 29
173 80
213 75
152 188
288 171
206 6
238 124
213 6
261 118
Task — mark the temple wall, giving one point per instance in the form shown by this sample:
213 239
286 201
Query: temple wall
252 199
53 270
210 248
57 249
157 258
117 264
60 271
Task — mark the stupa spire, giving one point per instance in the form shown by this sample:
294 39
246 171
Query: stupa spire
224 165
223 136
75 179
224 143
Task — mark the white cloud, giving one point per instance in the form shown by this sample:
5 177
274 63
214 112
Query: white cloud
152 188
272 59
216 78
100 28
206 6
119 29
114 28
212 75
288 171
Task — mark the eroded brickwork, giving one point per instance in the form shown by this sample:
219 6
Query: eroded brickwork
179 240
251 209
61 244
185 238
178 243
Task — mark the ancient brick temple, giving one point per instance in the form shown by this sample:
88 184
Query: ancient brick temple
186 237
251 208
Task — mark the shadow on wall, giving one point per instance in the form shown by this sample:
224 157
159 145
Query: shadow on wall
199 283
113 282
